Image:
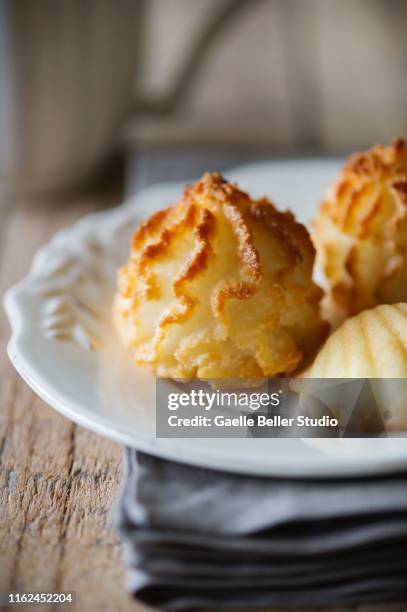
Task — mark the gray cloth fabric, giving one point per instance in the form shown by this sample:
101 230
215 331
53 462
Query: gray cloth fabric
197 538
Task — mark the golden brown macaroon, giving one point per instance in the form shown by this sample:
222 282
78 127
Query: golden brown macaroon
361 230
219 286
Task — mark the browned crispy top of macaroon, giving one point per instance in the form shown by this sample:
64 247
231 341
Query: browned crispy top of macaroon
214 248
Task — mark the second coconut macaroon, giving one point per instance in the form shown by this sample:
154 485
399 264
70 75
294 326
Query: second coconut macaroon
361 232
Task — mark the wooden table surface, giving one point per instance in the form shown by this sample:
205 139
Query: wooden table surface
57 480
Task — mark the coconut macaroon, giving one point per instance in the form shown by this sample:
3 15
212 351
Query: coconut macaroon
361 230
219 286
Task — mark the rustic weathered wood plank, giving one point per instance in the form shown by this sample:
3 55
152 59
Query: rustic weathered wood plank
95 473
57 481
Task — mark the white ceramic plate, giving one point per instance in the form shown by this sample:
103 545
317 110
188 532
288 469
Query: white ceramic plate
63 345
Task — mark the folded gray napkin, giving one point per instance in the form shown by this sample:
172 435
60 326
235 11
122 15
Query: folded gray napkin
197 538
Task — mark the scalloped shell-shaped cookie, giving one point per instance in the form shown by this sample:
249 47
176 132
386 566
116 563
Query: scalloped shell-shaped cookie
372 344
361 231
219 286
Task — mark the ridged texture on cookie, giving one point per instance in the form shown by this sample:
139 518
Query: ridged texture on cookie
219 286
361 230
372 344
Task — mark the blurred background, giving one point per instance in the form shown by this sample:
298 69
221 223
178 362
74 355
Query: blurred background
81 80
326 75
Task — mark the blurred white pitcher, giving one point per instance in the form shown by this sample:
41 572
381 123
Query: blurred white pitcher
68 79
